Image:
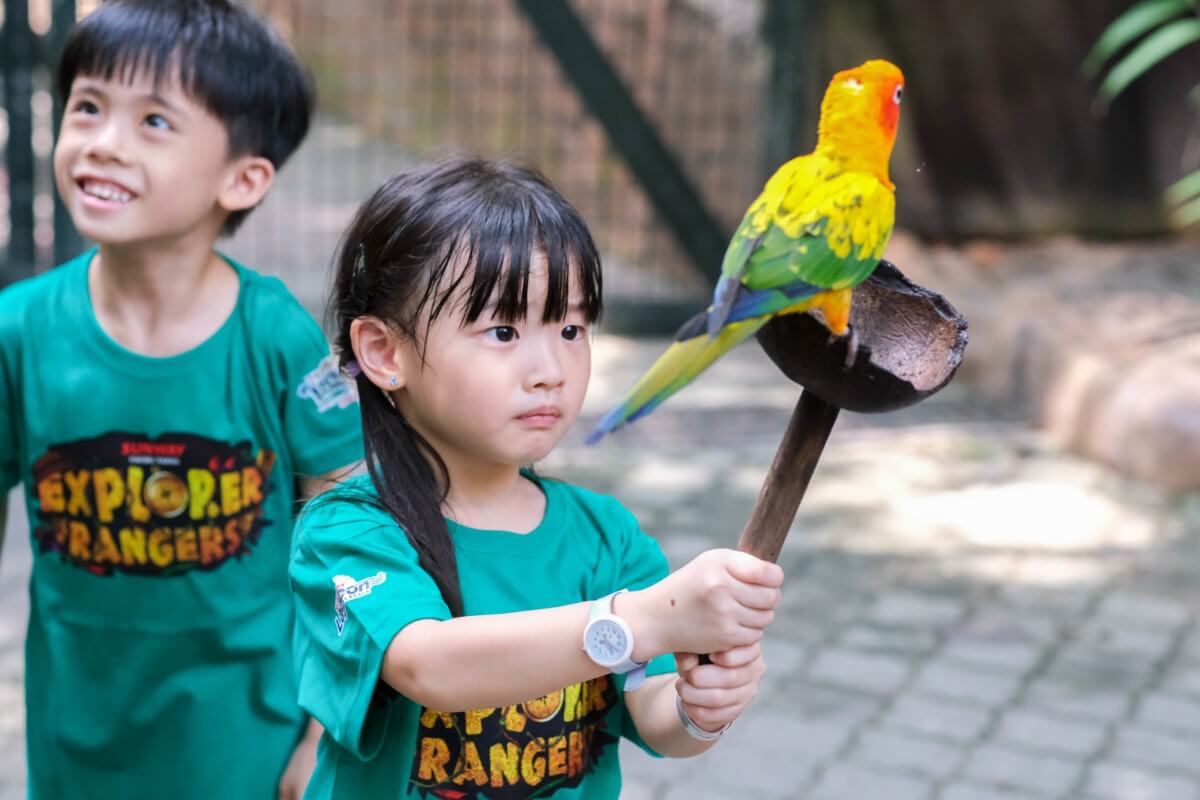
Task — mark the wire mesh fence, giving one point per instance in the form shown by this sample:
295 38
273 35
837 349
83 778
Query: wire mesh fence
403 81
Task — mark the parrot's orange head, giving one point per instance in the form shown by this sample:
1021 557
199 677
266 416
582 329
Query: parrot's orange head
860 112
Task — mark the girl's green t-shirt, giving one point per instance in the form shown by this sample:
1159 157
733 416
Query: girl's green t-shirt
357 583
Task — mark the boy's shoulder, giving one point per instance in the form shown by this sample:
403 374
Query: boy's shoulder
24 291
39 293
284 333
267 295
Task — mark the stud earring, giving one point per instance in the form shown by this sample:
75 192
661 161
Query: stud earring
393 380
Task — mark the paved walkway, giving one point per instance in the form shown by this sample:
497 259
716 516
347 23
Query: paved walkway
968 614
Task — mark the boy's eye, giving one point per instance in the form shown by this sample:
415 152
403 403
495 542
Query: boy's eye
158 121
503 333
572 332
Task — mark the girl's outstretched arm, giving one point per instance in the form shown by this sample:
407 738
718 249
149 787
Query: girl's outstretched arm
491 660
721 600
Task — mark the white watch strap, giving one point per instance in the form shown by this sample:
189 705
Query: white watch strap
635 671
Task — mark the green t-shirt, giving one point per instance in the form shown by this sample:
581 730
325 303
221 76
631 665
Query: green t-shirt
357 583
161 495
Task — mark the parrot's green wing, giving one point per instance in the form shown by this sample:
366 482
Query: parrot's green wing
815 229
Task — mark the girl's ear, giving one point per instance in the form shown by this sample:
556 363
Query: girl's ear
249 179
379 351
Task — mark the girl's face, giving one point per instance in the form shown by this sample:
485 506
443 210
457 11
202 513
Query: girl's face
494 394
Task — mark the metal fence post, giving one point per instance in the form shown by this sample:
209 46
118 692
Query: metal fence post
16 65
67 242
788 28
653 165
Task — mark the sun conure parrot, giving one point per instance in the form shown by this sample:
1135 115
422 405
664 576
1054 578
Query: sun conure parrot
817 230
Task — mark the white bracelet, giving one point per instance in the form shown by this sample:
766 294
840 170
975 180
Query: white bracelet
694 730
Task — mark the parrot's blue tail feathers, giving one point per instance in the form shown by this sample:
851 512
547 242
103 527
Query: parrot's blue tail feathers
723 299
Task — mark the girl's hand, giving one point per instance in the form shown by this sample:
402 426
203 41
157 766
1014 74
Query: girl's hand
716 694
721 600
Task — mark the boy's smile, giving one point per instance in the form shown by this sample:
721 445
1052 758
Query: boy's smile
138 162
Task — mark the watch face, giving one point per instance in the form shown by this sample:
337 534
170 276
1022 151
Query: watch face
606 642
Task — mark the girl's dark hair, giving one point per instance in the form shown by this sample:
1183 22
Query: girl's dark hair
229 59
449 238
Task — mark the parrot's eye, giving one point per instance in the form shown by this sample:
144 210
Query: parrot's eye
896 96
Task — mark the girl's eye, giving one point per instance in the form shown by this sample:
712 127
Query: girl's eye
158 121
572 332
503 333
85 107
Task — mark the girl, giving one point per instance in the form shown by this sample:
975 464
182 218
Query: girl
467 628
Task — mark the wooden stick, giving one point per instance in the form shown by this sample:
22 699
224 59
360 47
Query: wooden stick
788 478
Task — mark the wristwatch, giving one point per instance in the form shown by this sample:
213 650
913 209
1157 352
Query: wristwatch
608 641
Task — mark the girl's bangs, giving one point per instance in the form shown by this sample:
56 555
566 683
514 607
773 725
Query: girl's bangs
499 256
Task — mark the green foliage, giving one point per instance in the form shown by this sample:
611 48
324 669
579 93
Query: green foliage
1163 27
1184 197
1153 49
1137 21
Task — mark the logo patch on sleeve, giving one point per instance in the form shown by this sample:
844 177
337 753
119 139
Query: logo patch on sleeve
346 589
327 387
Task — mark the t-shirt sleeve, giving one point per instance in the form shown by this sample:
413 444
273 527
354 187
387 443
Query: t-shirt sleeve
320 405
356 583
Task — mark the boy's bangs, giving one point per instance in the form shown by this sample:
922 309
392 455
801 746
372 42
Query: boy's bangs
125 45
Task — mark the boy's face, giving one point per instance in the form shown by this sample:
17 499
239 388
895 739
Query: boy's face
137 164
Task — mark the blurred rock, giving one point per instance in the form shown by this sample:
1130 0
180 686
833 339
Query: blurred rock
1098 343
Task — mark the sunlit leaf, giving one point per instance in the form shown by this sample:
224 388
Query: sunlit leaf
1188 214
1184 189
1153 49
1139 19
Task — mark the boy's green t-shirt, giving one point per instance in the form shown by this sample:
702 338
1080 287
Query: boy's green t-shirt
161 496
357 583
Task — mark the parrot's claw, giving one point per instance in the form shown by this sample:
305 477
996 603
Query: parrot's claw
851 339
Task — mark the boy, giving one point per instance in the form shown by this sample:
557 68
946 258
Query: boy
163 406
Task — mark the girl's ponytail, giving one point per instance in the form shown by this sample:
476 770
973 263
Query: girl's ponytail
399 461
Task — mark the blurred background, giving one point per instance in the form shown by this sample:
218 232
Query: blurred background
991 594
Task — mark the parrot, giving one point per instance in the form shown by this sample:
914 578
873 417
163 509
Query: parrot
817 230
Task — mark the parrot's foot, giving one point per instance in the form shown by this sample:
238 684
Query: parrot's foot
851 339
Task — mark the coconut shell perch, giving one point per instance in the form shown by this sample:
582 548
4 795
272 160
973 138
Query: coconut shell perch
910 342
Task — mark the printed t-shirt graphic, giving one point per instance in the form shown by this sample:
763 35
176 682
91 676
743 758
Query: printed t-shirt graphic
162 506
515 752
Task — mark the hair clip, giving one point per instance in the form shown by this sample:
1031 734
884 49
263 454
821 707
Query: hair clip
360 261
352 368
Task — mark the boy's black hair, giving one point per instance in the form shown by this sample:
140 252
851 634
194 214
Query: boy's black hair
228 58
449 238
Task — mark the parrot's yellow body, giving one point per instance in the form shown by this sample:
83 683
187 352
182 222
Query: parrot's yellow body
817 230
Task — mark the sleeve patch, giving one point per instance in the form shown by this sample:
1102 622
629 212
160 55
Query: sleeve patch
346 589
327 387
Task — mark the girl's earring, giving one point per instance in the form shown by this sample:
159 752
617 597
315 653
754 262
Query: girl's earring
393 380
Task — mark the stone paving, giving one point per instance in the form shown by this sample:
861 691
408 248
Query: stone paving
968 613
